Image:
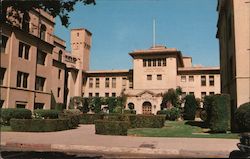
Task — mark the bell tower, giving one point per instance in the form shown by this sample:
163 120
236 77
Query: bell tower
80 46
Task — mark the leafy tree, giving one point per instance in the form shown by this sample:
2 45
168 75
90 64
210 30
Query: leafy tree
171 98
190 108
60 8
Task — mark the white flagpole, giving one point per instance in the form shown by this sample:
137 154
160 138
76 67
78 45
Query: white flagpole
153 32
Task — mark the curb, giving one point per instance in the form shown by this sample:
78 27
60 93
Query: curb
100 150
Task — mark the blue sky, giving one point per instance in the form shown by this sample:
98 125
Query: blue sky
121 26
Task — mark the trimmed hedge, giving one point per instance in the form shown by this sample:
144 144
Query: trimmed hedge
207 105
107 127
190 108
242 117
220 113
129 111
46 113
16 113
90 118
171 114
40 125
146 121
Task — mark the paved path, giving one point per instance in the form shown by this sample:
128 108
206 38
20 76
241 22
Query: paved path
85 139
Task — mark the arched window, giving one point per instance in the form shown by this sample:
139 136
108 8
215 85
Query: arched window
146 108
43 32
131 106
60 56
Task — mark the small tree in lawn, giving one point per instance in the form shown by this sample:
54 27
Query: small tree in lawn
171 98
190 108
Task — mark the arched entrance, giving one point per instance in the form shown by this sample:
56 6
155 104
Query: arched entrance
146 108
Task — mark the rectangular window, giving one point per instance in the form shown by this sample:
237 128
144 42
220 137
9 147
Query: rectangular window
183 94
97 83
149 77
203 94
211 80
149 62
41 57
97 94
1 103
203 80
211 93
191 78
2 73
90 82
4 43
106 82
154 62
21 104
183 78
113 94
40 83
144 62
191 93
130 84
23 51
113 82
38 106
159 62
22 79
164 62
59 73
106 94
124 81
90 94
159 77
58 92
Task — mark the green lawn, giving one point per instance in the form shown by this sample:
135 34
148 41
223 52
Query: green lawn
5 128
179 129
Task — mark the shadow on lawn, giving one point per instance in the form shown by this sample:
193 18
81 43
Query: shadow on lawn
200 124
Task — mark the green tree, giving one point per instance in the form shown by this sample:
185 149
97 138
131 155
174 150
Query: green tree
60 8
171 98
190 107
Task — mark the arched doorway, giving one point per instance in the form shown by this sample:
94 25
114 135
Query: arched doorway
146 108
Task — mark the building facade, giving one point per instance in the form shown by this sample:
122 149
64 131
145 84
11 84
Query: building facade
37 71
155 70
234 41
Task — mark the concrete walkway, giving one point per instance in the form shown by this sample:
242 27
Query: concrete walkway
84 139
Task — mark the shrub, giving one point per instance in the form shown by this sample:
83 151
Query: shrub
39 125
190 108
129 111
105 127
90 118
171 114
73 115
95 104
203 115
171 98
146 121
114 117
16 113
220 113
242 117
207 105
118 110
60 106
46 113
111 101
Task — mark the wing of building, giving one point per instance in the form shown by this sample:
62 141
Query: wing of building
155 70
38 72
234 39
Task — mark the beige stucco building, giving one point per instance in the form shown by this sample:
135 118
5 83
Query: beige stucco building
37 71
234 39
155 70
